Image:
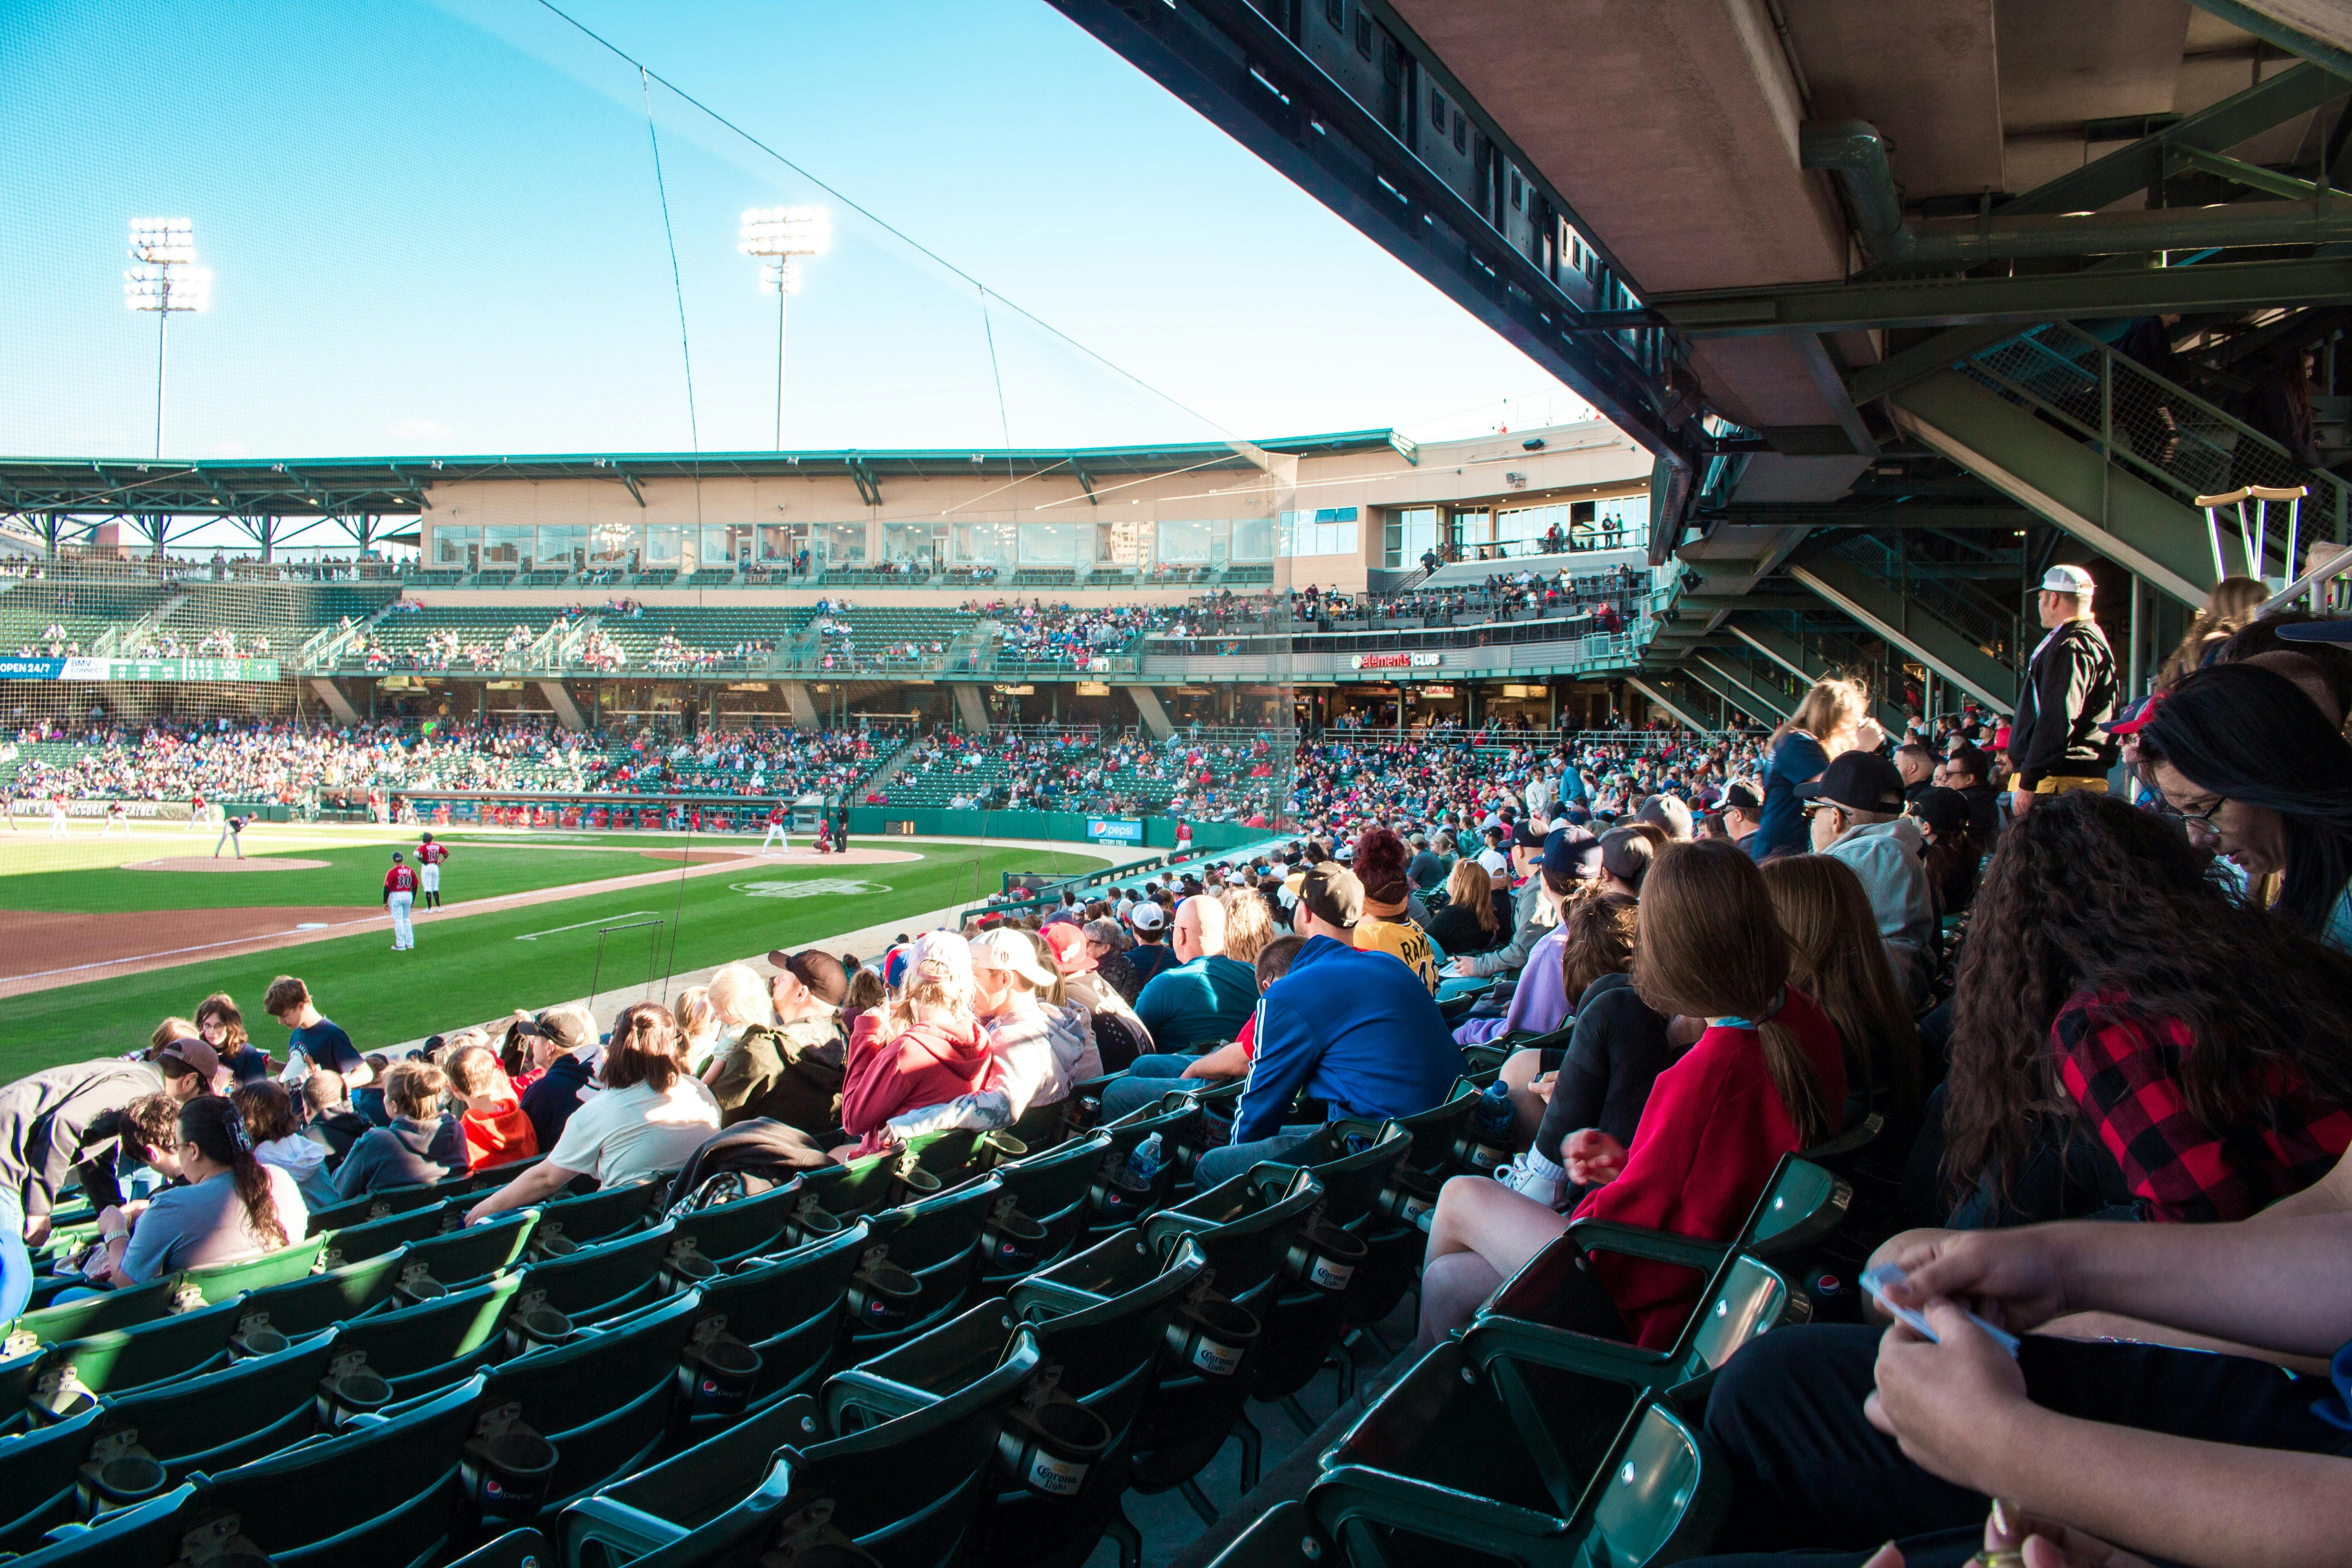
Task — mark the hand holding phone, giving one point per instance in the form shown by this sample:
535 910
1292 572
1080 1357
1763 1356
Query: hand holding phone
1875 1281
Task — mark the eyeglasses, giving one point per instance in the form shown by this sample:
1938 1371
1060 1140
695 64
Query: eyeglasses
2198 825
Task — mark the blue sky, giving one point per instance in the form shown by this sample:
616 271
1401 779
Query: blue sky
436 229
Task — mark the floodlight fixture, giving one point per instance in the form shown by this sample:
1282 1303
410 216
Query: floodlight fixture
168 282
782 235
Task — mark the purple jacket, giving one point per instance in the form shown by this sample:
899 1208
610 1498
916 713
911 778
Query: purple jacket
1538 1007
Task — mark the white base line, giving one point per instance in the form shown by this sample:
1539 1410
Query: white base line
600 919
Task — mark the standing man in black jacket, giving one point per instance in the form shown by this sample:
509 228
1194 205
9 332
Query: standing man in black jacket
2055 743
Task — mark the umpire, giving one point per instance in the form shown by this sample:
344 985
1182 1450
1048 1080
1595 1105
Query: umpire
2055 743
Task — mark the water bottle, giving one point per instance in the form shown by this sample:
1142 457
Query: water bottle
1143 1163
1491 1126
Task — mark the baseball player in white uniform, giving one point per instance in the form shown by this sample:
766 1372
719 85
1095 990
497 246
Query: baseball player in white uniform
429 857
118 820
56 816
232 835
400 898
776 833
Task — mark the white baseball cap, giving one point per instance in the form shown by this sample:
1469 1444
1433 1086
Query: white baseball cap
1147 915
2068 580
1004 949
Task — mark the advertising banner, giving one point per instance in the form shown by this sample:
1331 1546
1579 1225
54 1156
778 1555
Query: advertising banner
1115 829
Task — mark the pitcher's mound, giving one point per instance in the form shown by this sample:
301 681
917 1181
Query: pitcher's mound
206 863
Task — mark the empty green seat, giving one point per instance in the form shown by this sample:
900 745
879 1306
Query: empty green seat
568 1224
1116 1200
790 1311
1049 1193
320 1301
925 1269
394 1231
1283 1537
603 1280
745 1227
1310 1311
515 1548
93 1315
38 1472
222 1418
135 1357
149 1536
373 1206
382 1492
220 1281
602 1400
460 1258
715 1502
388 1357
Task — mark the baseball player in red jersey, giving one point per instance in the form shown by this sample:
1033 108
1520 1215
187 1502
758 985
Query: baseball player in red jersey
776 832
400 896
429 857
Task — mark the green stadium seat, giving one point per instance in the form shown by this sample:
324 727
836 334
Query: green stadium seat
745 1227
385 1358
371 1206
1311 1312
150 1353
791 1310
220 1281
93 1315
717 1502
221 1418
394 1231
384 1491
40 1471
1049 1193
567 1225
1283 1537
602 1400
515 1548
934 1241
1216 1103
1115 1202
149 1536
603 1280
321 1301
465 1257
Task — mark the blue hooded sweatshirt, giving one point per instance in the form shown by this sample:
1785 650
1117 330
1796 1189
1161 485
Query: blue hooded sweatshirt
1356 1030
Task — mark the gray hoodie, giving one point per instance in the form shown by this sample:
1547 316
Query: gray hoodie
1889 859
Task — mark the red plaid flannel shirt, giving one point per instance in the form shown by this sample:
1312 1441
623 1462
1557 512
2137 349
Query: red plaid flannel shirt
2123 1069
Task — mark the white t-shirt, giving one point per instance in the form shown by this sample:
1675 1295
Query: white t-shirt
620 1134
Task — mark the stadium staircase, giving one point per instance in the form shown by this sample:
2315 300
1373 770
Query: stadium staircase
2113 453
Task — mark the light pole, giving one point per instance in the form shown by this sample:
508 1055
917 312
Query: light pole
780 234
166 281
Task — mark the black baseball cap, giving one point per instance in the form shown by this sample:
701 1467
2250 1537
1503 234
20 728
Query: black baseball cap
1739 795
1859 781
1528 837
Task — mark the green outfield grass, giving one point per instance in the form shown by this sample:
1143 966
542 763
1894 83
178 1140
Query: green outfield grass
469 968
353 875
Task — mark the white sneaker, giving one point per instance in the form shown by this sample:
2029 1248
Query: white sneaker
1531 1176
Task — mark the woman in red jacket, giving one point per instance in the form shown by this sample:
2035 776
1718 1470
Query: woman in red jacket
923 1049
1767 1078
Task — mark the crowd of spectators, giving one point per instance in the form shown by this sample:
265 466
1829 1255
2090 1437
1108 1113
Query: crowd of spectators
750 763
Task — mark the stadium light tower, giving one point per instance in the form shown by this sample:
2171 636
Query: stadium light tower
167 280
781 235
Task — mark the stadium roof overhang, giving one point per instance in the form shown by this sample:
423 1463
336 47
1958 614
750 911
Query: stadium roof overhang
390 487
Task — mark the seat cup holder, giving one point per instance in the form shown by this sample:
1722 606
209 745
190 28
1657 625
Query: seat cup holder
721 1374
1212 1336
810 1223
534 1327
259 1339
507 1474
1050 1446
1409 1197
1004 1146
1115 1194
554 1245
118 1473
354 1392
1013 1239
1325 1258
882 1295
914 1183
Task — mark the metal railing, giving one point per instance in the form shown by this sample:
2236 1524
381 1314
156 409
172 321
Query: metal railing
2152 427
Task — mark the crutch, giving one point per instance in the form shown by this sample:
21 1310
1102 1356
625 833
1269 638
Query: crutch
2253 533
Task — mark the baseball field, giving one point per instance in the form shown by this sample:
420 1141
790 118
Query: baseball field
102 937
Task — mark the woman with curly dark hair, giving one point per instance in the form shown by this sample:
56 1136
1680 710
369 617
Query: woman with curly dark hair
2113 998
2260 777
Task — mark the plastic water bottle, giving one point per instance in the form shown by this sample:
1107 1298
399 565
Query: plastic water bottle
1491 1126
1143 1163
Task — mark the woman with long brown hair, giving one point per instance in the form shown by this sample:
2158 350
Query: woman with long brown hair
232 1208
1837 959
1766 1079
1833 718
2229 604
1467 923
2118 1013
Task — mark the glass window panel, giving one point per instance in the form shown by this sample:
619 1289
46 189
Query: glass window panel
716 553
1123 544
1411 533
1053 543
452 546
563 547
775 544
845 544
922 543
1252 539
663 543
614 544
986 544
503 545
1187 544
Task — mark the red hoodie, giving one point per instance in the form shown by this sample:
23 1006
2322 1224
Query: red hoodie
498 1136
925 1064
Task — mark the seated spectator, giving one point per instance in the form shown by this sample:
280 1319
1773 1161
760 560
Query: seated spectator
1207 995
368 1099
1742 811
1571 868
1120 1035
1386 926
648 1118
1617 1048
2258 776
231 1207
1040 1047
563 1050
1467 923
698 1023
1107 945
496 1129
1970 771
787 1065
2181 1454
1626 853
423 1142
1149 956
1148 1078
1835 959
316 1040
921 1049
1348 1028
1952 858
220 1025
61 1120
1765 1079
1856 809
2204 1046
269 1112
328 1117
